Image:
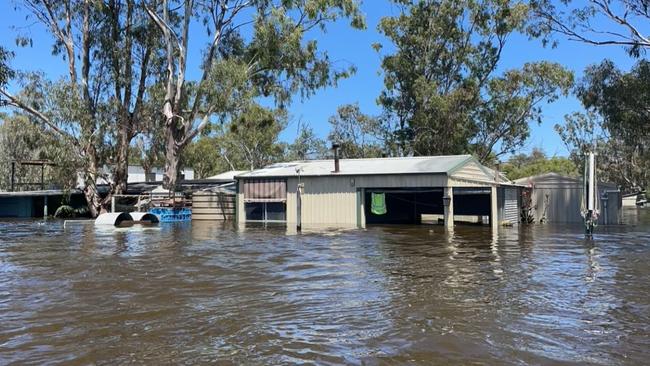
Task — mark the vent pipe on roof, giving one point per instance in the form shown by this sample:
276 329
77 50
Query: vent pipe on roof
336 147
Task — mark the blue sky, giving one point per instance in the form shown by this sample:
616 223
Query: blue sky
347 46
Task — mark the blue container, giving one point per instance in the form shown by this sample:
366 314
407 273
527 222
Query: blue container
168 214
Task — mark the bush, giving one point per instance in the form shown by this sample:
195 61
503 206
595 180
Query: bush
65 212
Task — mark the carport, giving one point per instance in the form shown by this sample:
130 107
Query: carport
413 205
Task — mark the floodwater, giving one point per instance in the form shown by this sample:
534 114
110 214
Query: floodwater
209 293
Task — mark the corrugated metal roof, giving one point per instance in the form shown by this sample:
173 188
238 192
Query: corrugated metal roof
558 180
229 175
377 166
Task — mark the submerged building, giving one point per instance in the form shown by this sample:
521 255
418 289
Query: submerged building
555 198
360 192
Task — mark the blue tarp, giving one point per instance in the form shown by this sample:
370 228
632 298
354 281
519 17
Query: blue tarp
166 214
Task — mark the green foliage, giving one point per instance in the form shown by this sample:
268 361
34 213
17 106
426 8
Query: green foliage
204 157
441 90
306 146
65 212
615 124
21 139
245 64
6 73
513 102
248 142
523 165
358 135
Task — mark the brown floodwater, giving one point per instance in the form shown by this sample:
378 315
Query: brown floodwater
210 293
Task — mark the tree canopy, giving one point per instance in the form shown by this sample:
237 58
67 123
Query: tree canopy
273 61
616 124
442 89
536 163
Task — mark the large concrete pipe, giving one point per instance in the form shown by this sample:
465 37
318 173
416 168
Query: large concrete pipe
144 217
113 218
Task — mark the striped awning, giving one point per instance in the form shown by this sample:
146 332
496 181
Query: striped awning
265 190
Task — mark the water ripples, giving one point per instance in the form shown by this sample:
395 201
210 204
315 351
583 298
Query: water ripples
211 293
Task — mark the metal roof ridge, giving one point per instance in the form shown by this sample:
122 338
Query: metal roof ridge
385 158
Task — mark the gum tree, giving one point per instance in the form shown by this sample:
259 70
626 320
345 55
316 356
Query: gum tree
255 49
595 22
110 49
443 91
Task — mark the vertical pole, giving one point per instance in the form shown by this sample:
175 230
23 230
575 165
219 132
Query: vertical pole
448 203
590 203
362 208
13 175
299 208
45 206
113 203
42 176
494 211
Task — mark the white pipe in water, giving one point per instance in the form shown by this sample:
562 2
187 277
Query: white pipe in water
591 199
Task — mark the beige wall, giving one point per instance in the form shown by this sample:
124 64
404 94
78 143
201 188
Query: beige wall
472 171
241 214
325 201
454 181
332 200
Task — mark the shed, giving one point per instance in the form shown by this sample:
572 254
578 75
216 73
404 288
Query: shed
341 193
557 198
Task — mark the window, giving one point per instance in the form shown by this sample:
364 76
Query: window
265 200
266 211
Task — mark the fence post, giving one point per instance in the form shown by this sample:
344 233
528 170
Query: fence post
13 175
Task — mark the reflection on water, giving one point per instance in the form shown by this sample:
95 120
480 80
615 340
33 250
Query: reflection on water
209 292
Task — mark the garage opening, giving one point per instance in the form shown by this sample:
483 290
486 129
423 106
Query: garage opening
401 206
472 205
425 205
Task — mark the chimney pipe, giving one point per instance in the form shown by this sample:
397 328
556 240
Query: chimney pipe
335 147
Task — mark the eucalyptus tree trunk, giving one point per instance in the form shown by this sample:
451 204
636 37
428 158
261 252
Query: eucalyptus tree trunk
172 160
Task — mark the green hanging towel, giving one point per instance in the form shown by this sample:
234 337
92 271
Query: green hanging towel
378 206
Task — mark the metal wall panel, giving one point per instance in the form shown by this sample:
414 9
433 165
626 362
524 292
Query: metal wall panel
332 200
510 205
261 190
213 206
472 171
564 204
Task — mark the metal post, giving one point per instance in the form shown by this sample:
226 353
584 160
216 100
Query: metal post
591 194
113 203
448 203
604 199
45 206
494 209
42 176
13 175
299 209
590 203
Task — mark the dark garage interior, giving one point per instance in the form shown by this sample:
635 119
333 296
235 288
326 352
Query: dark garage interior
407 205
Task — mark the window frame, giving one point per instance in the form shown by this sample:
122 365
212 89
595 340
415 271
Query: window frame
265 212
